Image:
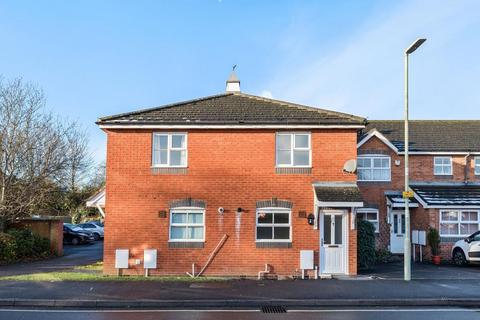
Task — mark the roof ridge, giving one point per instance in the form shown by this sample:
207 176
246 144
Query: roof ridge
169 105
427 120
300 106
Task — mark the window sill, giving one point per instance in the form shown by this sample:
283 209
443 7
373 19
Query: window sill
273 244
186 244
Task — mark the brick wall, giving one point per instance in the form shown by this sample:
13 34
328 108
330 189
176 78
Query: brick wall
421 169
228 169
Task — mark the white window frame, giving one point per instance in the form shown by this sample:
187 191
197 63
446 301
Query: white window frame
293 148
443 166
371 168
375 222
458 222
476 166
274 210
186 210
169 149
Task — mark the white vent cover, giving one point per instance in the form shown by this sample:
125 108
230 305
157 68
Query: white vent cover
150 258
306 259
121 259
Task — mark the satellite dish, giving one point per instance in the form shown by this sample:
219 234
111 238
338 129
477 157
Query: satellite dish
350 166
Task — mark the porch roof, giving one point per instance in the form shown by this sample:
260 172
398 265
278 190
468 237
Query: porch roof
395 199
447 195
337 194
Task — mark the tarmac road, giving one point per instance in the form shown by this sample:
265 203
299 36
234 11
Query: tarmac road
325 314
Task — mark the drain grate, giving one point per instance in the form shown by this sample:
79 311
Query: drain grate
274 309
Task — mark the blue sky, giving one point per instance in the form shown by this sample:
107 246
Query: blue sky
95 58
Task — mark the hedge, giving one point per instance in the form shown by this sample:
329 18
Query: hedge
365 245
22 245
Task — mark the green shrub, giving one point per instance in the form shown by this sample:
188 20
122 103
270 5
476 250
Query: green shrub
7 248
382 256
433 238
22 245
365 244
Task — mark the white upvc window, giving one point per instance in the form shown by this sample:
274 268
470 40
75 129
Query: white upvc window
187 225
293 150
477 166
459 223
273 225
373 168
169 149
442 166
370 215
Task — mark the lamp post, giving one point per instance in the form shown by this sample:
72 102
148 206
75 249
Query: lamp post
407 254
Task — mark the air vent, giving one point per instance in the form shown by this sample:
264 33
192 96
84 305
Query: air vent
274 309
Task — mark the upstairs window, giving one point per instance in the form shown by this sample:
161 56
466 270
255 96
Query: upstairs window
293 150
442 166
273 225
373 168
477 166
169 150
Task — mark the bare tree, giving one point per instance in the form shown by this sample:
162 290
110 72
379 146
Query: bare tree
36 151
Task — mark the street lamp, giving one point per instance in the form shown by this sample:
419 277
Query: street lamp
407 254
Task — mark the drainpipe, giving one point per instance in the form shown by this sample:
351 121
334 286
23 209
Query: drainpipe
466 169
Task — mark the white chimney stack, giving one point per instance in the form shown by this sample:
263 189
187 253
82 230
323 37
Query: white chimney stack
233 84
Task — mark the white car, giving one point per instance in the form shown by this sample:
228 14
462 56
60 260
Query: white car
94 229
467 250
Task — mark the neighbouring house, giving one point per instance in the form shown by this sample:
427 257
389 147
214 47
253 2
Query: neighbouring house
444 175
97 201
232 183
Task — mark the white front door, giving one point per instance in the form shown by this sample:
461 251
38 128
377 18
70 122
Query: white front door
397 231
333 242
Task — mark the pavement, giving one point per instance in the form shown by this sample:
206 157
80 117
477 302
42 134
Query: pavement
430 286
303 314
73 256
424 271
241 293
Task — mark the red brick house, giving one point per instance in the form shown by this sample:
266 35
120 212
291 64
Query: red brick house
233 182
444 175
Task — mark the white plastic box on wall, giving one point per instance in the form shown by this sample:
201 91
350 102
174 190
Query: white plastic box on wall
121 259
150 258
306 259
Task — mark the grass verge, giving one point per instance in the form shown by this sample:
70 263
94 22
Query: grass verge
79 276
93 272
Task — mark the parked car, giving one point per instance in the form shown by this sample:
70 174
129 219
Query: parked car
76 236
93 228
467 250
98 223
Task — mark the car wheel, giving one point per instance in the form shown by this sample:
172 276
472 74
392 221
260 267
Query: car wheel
75 241
459 258
96 236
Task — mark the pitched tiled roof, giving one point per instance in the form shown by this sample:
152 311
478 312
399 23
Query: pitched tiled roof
233 109
449 194
430 135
